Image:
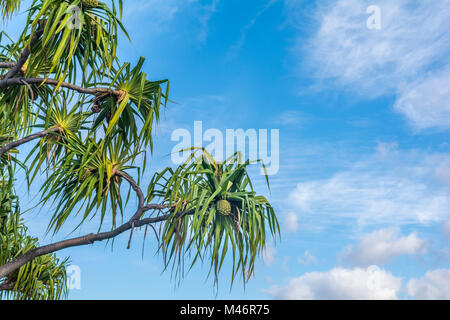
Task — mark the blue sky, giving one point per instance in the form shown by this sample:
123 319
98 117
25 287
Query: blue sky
363 189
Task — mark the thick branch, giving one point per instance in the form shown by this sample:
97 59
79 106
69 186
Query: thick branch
84 240
29 138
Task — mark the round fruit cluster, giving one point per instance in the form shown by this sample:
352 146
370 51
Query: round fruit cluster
90 3
224 207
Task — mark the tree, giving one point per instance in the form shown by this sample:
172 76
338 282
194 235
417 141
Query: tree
90 118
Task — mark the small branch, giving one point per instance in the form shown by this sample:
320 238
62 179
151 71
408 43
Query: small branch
29 138
22 81
7 285
139 193
131 235
26 52
7 65
134 185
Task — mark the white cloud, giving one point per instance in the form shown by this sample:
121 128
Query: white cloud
159 15
238 45
292 118
207 12
385 149
161 10
392 186
442 173
426 102
339 283
446 228
397 59
370 283
291 222
382 246
435 285
269 255
307 258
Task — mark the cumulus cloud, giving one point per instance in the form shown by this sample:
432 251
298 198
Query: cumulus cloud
339 283
389 186
382 246
400 58
435 285
372 283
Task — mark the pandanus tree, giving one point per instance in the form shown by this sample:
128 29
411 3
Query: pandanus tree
88 118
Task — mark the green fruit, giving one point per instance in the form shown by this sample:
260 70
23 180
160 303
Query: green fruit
90 3
224 207
86 173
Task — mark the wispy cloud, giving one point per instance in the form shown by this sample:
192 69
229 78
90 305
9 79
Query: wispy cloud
446 228
157 12
269 255
207 12
291 222
390 186
406 57
240 42
159 15
292 118
426 102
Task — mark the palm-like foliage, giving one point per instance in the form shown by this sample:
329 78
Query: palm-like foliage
67 124
85 38
9 7
133 112
86 179
195 188
42 278
95 117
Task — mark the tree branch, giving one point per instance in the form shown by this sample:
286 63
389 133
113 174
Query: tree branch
26 52
29 138
7 65
84 240
140 196
7 286
23 81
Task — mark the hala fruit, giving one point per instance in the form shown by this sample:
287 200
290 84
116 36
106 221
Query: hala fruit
86 173
90 3
224 207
